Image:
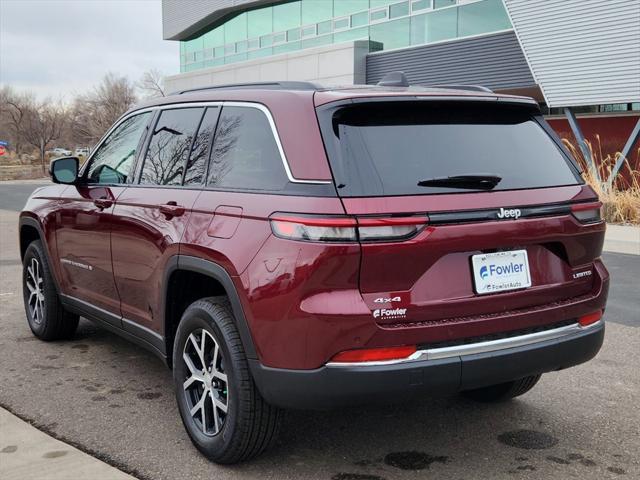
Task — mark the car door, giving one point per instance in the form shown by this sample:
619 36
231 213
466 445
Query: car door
151 216
84 218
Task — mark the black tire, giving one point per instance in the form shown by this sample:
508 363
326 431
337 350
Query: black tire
503 391
250 425
50 321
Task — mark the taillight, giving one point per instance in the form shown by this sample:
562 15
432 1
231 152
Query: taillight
374 354
314 229
590 318
587 212
346 228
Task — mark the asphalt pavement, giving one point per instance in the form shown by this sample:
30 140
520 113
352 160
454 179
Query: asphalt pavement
114 400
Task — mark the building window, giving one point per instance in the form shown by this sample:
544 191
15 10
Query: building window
300 24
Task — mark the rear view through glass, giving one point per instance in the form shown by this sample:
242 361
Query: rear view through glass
415 148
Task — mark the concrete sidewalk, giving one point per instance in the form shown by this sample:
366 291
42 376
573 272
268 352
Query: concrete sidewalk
622 239
26 453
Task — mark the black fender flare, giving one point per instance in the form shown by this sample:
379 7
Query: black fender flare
218 273
34 223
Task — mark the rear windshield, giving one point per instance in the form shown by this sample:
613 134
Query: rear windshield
381 149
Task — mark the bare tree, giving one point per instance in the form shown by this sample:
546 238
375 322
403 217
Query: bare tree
14 109
43 123
152 84
95 111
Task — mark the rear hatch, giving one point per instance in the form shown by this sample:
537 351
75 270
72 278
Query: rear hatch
503 221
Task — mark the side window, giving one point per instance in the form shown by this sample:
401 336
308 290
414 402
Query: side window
201 146
170 146
245 154
114 160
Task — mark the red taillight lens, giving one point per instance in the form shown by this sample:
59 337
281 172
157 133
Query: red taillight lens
590 318
345 228
375 354
314 229
587 212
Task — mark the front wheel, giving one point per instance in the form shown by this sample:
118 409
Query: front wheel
46 316
503 391
221 408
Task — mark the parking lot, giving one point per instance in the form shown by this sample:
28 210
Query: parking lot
115 400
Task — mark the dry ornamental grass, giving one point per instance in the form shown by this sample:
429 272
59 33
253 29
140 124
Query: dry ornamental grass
621 202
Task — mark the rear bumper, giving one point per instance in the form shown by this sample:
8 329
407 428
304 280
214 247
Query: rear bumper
435 371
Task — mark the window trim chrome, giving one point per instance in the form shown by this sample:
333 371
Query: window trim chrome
245 104
479 347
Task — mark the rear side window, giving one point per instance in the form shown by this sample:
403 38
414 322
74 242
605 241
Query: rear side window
388 149
245 155
170 146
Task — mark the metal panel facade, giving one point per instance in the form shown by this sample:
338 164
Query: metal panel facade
495 61
183 18
581 52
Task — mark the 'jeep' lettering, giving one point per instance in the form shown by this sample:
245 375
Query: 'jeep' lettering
512 213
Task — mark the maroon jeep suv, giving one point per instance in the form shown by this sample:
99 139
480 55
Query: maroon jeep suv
283 245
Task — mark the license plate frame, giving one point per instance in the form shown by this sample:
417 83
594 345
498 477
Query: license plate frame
505 271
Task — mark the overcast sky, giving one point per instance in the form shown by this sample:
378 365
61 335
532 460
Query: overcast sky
59 47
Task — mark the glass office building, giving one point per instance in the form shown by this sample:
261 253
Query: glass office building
301 24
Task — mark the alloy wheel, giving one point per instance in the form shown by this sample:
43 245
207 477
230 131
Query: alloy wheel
205 386
35 285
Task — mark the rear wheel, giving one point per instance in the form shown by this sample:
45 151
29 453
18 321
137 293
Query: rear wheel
503 391
46 316
221 408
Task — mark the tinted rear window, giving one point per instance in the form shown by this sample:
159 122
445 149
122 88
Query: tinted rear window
386 149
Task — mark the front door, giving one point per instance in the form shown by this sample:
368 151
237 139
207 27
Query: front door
84 219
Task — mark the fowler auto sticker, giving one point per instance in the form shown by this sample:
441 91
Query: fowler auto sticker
390 313
76 264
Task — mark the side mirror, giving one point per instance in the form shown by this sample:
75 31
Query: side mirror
65 170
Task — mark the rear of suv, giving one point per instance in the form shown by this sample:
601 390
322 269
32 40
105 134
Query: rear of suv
287 246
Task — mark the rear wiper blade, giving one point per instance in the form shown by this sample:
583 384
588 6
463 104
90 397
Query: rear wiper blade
473 181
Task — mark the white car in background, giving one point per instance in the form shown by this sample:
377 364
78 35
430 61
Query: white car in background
60 152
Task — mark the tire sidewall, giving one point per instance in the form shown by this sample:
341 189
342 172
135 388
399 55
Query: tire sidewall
34 250
193 319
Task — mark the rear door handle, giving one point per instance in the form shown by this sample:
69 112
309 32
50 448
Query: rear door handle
103 203
172 209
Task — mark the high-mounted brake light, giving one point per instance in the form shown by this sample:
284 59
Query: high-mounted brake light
345 228
590 318
374 354
587 212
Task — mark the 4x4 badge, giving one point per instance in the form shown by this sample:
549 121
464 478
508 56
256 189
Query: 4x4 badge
387 300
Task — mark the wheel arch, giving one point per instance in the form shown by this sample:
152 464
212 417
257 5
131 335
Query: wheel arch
29 229
184 264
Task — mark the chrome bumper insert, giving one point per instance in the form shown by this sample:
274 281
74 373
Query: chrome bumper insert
479 347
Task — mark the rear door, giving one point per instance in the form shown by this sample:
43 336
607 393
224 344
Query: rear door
85 217
430 161
152 215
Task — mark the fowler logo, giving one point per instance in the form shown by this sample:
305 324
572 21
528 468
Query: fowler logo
512 213
389 313
498 270
484 272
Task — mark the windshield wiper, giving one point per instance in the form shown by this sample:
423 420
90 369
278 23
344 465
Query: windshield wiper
471 181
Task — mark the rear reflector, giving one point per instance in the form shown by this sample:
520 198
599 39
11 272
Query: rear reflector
587 212
590 318
346 228
375 354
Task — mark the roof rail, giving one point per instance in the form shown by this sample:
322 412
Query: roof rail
394 79
289 85
471 88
